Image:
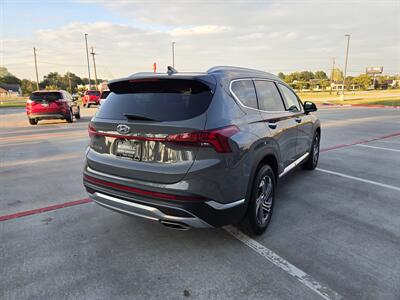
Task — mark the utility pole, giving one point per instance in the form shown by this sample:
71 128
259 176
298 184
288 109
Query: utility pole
173 54
94 64
37 76
345 64
69 82
87 57
332 73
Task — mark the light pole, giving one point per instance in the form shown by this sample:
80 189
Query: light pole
173 54
37 76
345 65
87 57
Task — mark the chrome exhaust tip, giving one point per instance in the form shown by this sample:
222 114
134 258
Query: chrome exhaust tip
175 225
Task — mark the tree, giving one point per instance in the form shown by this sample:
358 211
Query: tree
306 76
53 79
27 86
363 80
281 75
337 75
320 75
10 79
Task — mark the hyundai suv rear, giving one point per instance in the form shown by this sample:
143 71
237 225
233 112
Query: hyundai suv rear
46 105
198 149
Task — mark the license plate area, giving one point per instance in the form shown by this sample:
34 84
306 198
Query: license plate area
129 149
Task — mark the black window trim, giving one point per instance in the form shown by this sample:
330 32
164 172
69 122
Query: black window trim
258 109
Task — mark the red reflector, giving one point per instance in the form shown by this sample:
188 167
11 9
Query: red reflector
140 191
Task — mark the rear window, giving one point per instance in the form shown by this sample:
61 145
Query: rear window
105 94
95 93
157 99
47 96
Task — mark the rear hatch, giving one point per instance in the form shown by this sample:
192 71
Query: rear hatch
45 102
144 129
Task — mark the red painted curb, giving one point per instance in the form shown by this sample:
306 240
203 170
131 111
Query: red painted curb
44 209
359 105
360 142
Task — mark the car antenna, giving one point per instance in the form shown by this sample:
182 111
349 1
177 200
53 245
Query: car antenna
171 70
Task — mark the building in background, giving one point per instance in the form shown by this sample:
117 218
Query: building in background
7 89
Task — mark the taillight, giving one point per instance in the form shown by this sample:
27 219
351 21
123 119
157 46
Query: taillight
217 138
92 131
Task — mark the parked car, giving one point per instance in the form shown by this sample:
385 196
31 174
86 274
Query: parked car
91 97
55 104
103 96
198 149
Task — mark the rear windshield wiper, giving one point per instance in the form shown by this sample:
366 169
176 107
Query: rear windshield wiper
138 117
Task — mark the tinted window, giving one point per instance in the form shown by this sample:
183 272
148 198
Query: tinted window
47 96
157 99
94 93
268 96
291 101
104 94
244 90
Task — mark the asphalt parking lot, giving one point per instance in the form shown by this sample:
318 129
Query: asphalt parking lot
335 232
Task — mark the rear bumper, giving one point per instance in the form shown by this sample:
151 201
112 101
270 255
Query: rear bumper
47 116
191 213
147 212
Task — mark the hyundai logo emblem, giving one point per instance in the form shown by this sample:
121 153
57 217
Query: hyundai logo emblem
123 129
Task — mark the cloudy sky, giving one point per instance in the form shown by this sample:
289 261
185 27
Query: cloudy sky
276 35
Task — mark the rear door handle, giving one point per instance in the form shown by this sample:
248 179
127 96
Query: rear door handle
298 120
272 125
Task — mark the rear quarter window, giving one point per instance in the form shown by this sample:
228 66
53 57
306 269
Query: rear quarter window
245 92
157 99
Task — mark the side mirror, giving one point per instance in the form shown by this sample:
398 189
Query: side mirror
309 107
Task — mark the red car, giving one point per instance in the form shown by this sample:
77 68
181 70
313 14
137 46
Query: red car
91 97
56 104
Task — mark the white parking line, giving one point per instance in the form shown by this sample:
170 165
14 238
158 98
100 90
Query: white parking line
360 179
324 291
375 147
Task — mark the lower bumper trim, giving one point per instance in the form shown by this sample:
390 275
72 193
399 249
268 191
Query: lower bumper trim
144 211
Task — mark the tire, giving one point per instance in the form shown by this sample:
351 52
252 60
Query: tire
312 161
260 207
78 115
33 121
70 117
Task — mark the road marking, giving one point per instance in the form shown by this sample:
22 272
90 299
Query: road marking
58 157
375 147
360 179
44 209
324 291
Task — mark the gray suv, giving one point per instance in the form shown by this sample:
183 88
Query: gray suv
198 149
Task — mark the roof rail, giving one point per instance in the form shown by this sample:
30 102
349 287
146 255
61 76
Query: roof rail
171 70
